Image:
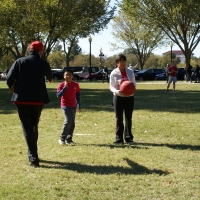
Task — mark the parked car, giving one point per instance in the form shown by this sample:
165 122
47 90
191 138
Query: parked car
136 70
148 74
79 72
97 76
58 73
79 75
180 75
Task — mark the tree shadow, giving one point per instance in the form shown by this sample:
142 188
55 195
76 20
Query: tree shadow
173 146
134 168
101 99
161 101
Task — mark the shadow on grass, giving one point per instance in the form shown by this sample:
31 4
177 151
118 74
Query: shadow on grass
135 168
112 146
101 99
173 146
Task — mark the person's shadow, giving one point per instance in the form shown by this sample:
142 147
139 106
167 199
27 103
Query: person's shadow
134 168
173 146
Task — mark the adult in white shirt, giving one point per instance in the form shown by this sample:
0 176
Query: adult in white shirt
122 103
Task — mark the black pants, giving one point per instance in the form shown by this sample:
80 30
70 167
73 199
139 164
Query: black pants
29 116
123 105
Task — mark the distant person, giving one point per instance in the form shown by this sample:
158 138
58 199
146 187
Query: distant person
166 72
30 94
132 67
172 72
105 74
197 74
189 73
6 71
69 94
122 104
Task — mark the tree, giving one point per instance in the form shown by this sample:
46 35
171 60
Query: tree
50 21
57 60
166 59
76 49
140 39
83 60
152 62
71 48
179 20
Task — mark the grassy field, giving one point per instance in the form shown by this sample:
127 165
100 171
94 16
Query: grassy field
163 164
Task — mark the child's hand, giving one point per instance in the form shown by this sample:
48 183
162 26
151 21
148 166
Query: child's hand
78 108
66 84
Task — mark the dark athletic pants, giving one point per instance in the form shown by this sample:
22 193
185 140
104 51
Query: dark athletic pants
29 116
123 105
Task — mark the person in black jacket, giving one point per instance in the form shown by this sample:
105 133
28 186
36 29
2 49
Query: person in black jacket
26 77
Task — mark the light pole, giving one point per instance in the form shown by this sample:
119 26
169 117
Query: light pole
90 41
171 45
100 56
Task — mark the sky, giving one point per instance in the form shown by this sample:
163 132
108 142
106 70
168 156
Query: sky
105 38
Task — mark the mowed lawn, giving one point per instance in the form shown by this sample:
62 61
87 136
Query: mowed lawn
163 164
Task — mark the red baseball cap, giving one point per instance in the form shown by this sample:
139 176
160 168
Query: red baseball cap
37 45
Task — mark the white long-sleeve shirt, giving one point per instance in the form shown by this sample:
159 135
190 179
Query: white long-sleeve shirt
115 79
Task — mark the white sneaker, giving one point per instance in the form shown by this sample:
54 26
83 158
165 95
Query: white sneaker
61 142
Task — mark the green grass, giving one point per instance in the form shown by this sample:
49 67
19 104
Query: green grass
164 163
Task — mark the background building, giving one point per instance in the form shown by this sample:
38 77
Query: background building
179 54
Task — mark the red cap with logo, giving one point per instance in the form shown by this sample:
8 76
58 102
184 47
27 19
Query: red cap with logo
37 45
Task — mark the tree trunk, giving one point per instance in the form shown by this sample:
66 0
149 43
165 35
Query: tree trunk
67 60
187 54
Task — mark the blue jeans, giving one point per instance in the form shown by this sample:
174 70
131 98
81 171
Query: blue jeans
69 123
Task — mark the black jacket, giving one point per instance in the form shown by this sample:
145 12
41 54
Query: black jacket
29 73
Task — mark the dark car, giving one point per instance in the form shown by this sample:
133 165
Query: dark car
180 75
97 75
136 71
58 73
148 74
78 72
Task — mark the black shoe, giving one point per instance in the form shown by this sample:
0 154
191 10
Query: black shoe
70 142
130 142
34 164
118 143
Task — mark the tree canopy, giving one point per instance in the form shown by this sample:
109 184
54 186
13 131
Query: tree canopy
49 21
179 20
140 39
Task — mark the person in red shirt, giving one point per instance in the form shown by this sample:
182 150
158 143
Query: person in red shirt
69 94
172 71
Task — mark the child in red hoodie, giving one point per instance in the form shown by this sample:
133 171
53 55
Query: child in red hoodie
69 93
